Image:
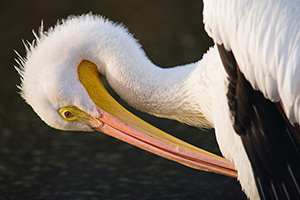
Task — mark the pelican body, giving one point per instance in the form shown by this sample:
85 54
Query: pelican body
258 42
246 87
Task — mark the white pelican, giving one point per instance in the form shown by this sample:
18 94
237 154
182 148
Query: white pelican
249 92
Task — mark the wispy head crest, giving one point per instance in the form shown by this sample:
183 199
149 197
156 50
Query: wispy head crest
20 60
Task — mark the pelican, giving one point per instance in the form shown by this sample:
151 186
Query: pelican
246 87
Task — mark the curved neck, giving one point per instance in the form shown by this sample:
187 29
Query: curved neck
175 93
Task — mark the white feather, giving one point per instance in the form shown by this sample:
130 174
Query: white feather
265 39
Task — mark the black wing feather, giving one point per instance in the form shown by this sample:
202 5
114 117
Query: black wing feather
272 143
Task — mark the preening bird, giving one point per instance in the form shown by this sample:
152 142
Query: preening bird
247 87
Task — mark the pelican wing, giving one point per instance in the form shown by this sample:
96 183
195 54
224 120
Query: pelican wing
259 44
270 140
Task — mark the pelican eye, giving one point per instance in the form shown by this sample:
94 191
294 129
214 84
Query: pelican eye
68 114
72 113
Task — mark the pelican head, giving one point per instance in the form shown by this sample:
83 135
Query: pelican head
50 79
60 81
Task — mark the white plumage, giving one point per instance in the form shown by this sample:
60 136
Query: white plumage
118 56
265 39
263 36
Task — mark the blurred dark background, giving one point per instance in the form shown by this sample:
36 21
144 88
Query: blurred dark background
38 162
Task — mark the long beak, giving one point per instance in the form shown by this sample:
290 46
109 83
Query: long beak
118 122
